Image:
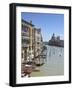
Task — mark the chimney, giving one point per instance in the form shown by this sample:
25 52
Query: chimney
30 21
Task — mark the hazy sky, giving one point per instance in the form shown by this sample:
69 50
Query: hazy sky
49 23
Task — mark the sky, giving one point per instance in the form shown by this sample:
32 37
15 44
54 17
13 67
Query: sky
48 22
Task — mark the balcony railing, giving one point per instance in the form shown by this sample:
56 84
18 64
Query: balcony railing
25 45
25 37
25 33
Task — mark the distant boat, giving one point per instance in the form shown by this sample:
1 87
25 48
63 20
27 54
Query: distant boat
39 64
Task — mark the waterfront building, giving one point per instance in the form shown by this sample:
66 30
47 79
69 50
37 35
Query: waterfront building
26 39
56 41
31 42
38 44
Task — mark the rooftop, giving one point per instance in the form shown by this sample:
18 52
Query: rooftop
30 23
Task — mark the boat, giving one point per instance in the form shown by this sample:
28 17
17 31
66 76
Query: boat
39 64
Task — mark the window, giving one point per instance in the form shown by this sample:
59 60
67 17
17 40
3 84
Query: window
25 41
25 28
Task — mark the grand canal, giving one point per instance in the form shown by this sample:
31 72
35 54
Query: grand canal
53 63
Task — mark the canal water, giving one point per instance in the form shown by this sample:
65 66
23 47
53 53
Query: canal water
53 63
